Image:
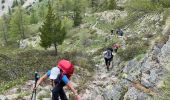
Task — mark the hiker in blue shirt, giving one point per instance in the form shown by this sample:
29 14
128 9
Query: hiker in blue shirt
60 77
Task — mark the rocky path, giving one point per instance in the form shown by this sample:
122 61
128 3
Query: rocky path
101 81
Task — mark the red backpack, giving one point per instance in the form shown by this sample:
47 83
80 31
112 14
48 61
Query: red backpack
67 67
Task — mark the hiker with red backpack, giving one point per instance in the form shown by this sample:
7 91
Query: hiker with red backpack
60 77
115 47
108 57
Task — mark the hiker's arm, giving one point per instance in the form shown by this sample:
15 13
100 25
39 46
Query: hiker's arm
69 84
73 90
41 80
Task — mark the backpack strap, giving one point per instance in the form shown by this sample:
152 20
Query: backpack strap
59 78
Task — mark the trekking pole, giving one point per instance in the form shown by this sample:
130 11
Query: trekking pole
34 91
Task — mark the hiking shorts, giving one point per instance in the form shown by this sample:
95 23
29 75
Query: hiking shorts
107 61
57 92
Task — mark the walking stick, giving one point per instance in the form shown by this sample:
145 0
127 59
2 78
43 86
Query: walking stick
34 91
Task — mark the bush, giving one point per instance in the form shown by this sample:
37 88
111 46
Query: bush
165 3
132 51
145 6
130 19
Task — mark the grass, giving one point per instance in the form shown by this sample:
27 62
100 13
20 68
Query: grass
166 88
20 65
7 85
133 49
139 57
145 6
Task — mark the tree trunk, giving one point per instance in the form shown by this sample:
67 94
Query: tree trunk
55 45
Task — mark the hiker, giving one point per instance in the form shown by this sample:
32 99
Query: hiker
59 77
119 32
115 47
108 56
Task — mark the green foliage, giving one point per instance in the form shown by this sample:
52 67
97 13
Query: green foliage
77 13
95 3
67 5
166 14
112 4
68 23
164 87
4 29
161 39
7 85
19 21
139 57
33 17
42 12
108 5
133 49
52 31
130 19
32 30
102 5
165 3
47 28
145 6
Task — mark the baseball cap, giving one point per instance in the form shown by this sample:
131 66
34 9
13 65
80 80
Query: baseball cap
55 71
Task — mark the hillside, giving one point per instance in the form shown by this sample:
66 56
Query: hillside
139 70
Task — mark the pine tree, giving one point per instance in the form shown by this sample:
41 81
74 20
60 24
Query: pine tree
46 29
52 31
18 23
77 13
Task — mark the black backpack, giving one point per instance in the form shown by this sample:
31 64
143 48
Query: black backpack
58 80
108 53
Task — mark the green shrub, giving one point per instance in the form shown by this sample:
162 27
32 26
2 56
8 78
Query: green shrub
132 51
7 85
165 3
130 19
166 14
145 6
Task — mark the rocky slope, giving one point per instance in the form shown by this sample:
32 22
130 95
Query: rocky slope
107 85
7 4
147 73
137 79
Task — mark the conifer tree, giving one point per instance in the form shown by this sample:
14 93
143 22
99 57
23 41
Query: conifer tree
18 23
77 13
52 31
